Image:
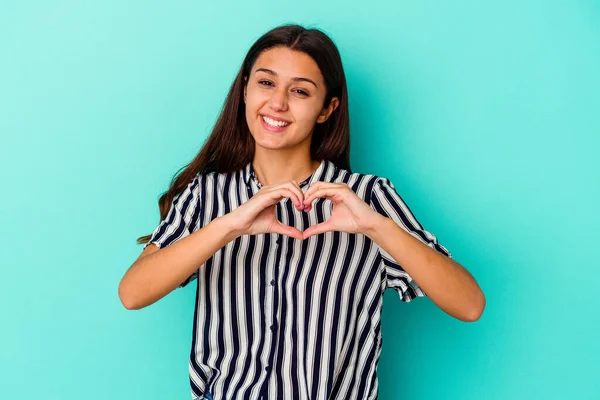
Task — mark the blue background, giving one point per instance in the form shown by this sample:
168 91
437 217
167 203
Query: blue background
485 115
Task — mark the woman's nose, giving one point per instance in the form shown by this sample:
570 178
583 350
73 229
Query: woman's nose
278 100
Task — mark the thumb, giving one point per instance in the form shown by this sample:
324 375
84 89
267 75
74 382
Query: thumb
287 230
319 228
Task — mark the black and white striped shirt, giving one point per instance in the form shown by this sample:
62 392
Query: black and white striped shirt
282 318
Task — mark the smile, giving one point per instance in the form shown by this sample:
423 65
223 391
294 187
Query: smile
273 122
274 125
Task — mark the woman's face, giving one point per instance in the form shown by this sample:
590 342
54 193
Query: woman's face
284 97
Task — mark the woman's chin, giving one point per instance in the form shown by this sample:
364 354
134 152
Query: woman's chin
270 144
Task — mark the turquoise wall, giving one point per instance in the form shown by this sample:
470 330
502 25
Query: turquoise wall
485 115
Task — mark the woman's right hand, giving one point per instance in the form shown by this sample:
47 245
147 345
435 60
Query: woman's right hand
257 215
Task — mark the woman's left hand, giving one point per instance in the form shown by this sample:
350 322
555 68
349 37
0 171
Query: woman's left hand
350 213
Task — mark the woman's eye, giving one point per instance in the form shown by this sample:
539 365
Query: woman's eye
269 83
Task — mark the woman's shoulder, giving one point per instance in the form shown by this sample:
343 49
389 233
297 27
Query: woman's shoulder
219 180
357 177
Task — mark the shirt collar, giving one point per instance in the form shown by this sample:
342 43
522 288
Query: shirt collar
250 175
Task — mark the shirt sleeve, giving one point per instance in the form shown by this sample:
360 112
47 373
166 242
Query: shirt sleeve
183 218
387 202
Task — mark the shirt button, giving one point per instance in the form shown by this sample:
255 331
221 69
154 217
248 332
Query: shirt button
272 327
267 368
278 240
272 282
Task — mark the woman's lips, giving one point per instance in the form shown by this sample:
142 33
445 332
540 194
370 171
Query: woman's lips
271 127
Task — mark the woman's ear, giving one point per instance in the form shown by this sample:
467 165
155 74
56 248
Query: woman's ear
245 87
327 111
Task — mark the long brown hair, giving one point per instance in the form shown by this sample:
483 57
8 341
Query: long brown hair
230 146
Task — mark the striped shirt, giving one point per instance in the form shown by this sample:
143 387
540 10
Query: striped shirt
282 318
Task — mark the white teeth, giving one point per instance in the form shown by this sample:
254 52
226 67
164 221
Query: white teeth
273 122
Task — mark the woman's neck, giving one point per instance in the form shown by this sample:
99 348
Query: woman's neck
280 168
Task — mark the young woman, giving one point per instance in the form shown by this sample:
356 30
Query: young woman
291 251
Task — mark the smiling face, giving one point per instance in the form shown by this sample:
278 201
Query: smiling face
284 97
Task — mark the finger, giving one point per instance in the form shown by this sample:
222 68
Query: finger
321 184
313 187
296 184
284 192
298 190
287 230
328 192
323 227
324 185
295 189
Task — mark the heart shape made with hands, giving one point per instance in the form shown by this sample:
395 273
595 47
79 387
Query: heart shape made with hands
349 212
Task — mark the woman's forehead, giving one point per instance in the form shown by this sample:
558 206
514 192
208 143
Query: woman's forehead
288 64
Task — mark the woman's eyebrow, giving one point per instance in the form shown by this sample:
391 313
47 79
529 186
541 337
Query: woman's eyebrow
296 79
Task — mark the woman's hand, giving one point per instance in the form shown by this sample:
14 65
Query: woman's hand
257 215
350 213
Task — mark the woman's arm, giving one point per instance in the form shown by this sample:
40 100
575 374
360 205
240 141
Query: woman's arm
449 285
157 272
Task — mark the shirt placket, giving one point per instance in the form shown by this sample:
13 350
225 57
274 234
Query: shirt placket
271 310
272 297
